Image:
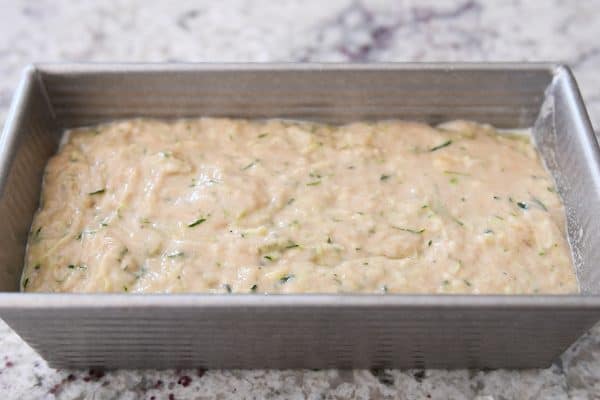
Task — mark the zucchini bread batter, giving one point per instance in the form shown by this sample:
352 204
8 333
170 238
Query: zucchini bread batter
274 206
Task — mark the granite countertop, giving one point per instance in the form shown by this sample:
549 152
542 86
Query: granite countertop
335 30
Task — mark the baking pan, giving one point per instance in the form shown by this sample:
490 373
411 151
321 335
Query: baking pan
299 331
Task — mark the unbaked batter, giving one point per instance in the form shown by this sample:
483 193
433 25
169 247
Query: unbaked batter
226 205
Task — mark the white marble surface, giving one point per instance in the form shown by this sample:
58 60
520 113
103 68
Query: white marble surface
321 30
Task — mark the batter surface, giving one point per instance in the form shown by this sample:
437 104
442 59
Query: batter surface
225 205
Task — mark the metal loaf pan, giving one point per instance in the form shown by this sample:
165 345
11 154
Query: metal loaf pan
296 331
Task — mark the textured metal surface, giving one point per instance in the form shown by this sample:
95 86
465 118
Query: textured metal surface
29 138
142 331
286 331
505 95
569 148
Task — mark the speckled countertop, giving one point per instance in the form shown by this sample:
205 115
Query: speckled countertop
318 30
